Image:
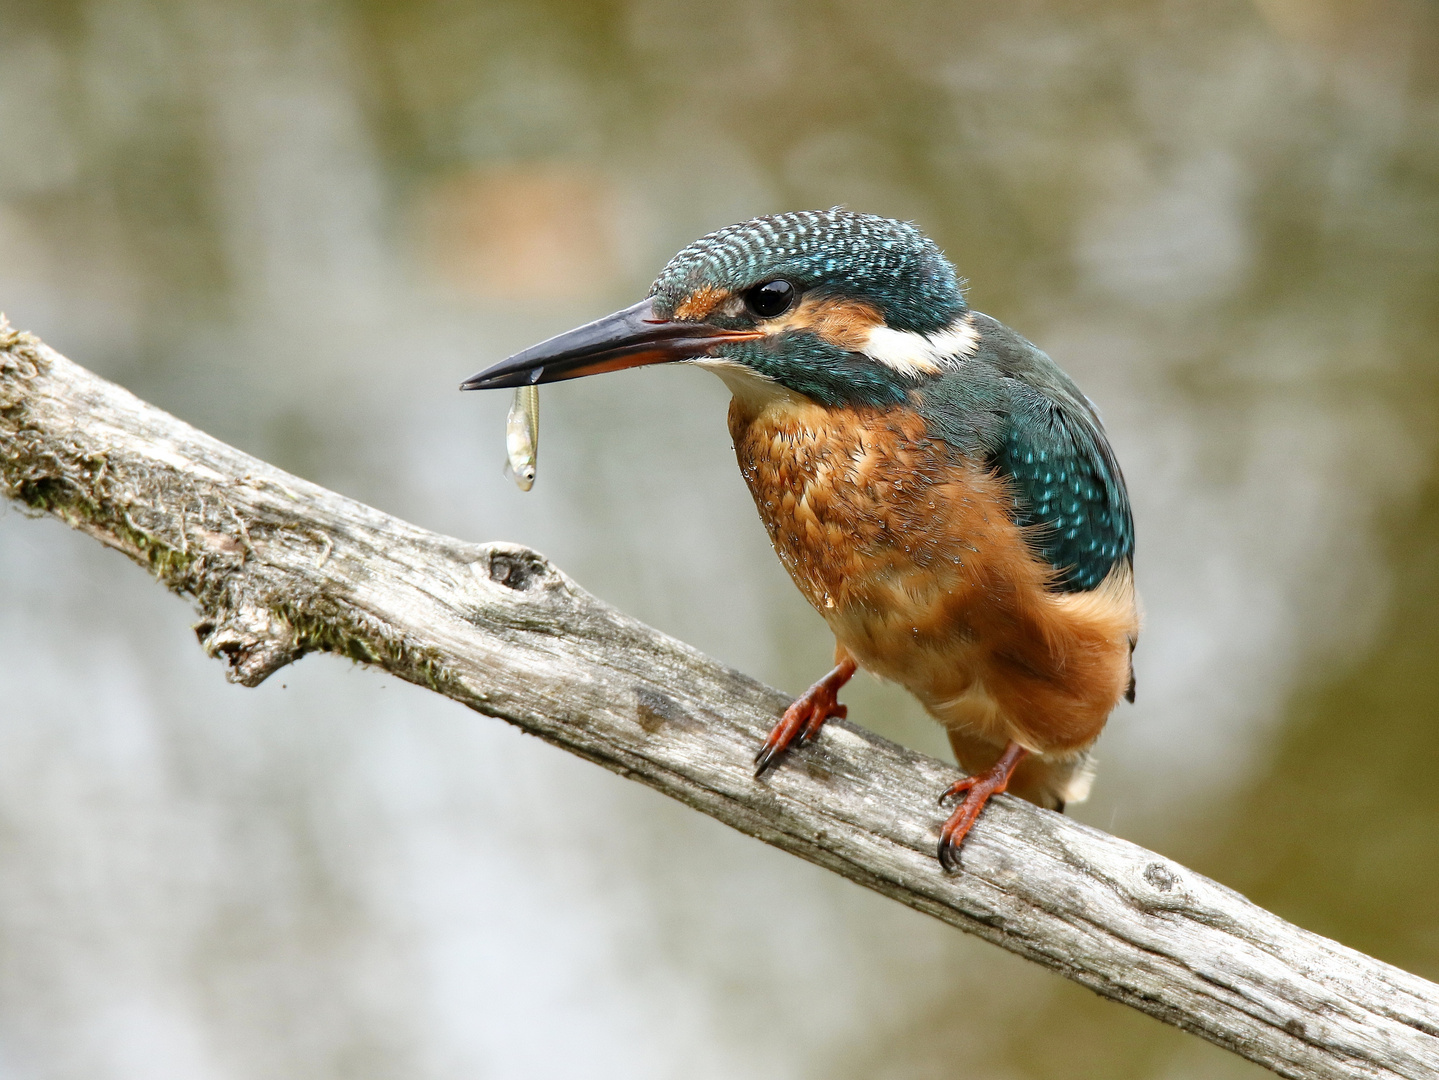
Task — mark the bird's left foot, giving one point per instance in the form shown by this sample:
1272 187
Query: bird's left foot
802 720
976 791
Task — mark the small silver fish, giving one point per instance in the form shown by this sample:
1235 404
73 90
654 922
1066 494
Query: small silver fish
522 437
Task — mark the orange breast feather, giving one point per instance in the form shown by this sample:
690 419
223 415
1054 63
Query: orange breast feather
911 557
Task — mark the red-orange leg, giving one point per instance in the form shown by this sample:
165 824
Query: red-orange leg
802 720
977 790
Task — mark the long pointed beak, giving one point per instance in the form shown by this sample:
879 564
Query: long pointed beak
626 339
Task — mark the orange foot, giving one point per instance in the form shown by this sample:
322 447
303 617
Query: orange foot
802 720
977 790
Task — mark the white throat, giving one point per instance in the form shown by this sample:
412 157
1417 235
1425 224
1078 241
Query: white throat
746 384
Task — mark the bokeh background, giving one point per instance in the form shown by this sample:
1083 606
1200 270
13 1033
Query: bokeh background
298 224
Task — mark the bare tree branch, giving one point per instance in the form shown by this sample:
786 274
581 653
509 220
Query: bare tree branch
280 567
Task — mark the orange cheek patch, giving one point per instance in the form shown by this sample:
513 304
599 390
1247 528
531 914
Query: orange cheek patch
845 323
697 306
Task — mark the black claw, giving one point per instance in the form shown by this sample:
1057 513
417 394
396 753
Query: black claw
765 760
945 856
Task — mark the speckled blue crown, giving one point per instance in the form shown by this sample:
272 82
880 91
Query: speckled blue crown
858 256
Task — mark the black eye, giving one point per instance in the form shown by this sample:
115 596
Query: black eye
770 299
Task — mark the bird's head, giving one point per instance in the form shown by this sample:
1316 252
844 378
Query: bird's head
841 308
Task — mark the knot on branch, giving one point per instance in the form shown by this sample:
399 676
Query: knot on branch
519 568
253 642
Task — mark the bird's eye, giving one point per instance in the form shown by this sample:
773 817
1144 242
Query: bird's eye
771 298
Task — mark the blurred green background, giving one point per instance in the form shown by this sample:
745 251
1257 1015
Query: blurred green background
299 224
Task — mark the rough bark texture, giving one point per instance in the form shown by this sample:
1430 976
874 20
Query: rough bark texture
279 567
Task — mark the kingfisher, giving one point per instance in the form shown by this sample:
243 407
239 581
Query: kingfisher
938 489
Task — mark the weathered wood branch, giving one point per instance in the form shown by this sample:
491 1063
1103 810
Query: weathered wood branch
280 567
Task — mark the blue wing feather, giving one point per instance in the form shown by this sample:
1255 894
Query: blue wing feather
1068 492
1012 407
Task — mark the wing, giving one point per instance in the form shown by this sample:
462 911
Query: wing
1010 406
1068 489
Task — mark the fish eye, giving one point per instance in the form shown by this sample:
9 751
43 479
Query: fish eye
770 298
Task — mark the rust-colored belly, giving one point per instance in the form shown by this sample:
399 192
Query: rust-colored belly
913 560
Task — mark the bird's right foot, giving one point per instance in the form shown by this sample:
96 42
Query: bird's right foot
802 720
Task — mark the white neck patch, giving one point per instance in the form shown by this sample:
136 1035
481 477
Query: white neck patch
915 354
